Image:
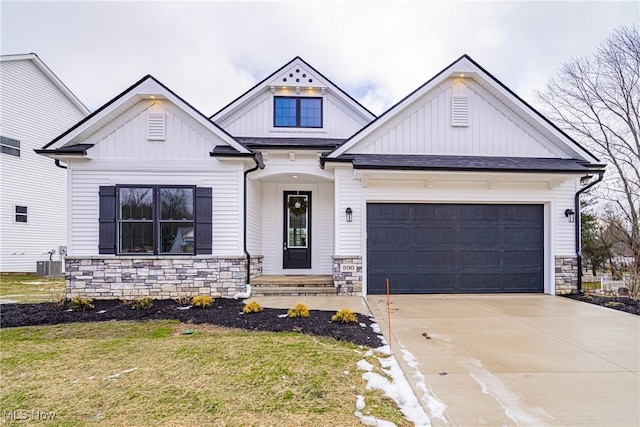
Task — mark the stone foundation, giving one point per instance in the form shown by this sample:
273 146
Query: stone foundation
347 275
566 275
134 277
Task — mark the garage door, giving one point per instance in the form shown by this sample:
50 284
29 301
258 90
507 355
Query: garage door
454 248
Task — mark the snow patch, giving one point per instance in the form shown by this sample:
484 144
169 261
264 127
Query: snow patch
512 403
102 311
116 376
360 402
376 328
282 316
363 365
435 405
183 308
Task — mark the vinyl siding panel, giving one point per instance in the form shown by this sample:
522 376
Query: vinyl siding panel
85 182
33 111
254 217
256 119
425 128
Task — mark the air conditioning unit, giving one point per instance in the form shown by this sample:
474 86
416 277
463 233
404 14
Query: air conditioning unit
48 268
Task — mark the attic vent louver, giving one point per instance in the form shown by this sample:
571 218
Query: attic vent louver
459 111
155 127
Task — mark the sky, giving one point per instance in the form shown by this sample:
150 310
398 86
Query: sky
211 52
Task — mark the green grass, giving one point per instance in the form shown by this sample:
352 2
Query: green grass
148 373
28 288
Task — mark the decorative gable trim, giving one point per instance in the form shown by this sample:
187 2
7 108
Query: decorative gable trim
465 67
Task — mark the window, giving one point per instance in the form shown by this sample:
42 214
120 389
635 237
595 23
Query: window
156 220
297 112
21 213
10 146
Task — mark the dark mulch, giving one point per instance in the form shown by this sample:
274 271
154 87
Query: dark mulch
625 304
223 312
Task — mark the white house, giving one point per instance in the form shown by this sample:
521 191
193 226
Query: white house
35 106
461 187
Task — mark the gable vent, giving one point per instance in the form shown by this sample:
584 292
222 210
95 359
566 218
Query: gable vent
155 127
459 111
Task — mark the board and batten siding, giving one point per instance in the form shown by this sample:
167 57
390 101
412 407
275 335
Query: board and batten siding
322 237
559 233
256 119
84 204
425 128
254 217
34 111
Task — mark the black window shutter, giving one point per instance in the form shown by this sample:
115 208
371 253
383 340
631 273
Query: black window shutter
107 219
204 221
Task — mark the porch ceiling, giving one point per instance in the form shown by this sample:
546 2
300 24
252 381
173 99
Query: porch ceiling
294 178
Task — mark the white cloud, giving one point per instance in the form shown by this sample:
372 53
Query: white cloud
211 52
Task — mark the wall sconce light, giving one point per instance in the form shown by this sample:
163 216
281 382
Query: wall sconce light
349 213
569 213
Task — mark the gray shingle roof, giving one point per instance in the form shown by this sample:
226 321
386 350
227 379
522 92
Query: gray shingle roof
291 143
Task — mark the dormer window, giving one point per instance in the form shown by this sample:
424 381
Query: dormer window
297 112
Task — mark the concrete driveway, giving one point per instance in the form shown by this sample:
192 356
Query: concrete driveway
525 360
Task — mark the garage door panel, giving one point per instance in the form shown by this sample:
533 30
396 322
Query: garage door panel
455 248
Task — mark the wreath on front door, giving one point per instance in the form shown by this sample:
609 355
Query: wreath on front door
298 205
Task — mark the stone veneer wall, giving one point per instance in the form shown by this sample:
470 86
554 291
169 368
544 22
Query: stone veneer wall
347 282
566 275
158 277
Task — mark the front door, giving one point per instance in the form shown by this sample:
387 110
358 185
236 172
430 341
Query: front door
296 251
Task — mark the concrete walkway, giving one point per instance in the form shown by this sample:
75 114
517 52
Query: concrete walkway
524 360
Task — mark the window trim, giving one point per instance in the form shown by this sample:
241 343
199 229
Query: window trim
6 146
297 99
17 214
156 220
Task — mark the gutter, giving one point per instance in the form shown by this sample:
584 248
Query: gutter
579 227
57 162
257 158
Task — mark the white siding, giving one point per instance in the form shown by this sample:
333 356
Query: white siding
425 128
256 118
84 201
33 111
126 138
351 237
254 217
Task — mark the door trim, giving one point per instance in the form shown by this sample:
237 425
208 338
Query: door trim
296 258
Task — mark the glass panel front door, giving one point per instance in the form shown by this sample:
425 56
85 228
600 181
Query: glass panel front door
296 251
297 206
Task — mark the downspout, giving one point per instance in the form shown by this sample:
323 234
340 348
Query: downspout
57 162
259 165
579 226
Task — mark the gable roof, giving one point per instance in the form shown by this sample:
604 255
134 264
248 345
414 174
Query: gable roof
50 75
147 87
287 76
466 67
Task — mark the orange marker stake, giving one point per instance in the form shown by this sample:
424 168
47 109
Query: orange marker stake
389 316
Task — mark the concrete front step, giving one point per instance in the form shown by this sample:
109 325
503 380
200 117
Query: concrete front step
292 290
293 281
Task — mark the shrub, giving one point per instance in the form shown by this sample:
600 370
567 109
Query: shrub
58 299
252 307
142 303
81 304
300 310
344 315
202 301
183 300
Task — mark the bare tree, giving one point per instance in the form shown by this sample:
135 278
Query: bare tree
596 99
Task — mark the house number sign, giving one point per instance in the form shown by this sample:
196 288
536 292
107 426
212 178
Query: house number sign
348 268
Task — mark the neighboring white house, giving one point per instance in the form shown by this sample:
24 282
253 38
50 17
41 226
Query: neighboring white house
461 187
35 106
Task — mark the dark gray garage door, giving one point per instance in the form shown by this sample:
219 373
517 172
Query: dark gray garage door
454 248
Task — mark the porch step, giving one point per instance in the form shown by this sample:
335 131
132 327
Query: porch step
293 285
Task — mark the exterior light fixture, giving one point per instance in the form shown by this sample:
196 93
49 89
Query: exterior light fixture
349 213
569 213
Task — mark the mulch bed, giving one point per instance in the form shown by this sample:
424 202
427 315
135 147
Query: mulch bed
223 312
625 304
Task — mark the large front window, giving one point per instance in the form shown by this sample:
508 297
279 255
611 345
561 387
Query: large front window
156 220
299 112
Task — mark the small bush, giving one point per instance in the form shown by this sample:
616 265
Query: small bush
142 303
202 301
300 310
344 315
252 307
58 299
183 300
81 304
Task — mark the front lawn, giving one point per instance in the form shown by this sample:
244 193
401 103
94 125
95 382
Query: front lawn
29 288
150 373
